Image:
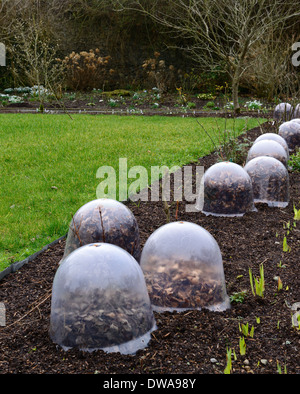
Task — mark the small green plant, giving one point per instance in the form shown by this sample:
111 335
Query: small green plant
242 345
206 96
294 161
285 246
296 214
298 320
112 102
280 265
253 105
279 370
228 368
70 96
244 329
229 105
33 349
191 105
210 104
238 296
258 284
288 227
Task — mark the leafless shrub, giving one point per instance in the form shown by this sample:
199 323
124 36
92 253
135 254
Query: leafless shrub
87 70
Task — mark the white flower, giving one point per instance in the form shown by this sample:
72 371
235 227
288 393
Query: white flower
255 104
39 90
229 105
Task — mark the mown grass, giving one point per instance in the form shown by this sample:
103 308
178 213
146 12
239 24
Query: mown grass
48 165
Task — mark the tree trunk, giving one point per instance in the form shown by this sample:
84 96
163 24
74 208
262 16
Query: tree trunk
235 93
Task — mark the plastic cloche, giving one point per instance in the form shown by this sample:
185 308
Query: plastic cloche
183 269
227 190
104 220
274 137
283 111
290 131
268 148
297 111
100 301
270 181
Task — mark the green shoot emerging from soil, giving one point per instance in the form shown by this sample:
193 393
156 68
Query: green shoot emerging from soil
244 329
228 367
258 284
242 345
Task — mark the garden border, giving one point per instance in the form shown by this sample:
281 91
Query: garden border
145 112
18 264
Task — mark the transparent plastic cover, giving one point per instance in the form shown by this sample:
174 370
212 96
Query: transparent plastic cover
283 112
268 148
227 190
183 268
297 111
270 181
104 220
290 131
100 301
274 137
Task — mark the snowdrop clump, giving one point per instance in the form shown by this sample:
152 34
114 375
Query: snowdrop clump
255 104
11 99
36 90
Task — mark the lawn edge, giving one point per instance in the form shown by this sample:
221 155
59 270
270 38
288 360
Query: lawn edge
18 264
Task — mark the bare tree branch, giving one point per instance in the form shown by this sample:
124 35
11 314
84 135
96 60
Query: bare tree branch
219 32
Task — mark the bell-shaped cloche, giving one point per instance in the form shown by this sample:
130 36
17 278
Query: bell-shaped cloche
270 181
227 190
183 269
100 301
104 220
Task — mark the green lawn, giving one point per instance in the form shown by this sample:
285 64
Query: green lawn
48 166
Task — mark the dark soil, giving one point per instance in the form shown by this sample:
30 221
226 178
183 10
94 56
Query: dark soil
169 104
191 342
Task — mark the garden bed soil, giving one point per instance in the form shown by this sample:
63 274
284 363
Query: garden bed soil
190 342
169 105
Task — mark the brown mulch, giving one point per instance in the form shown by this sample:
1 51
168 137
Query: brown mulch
190 342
